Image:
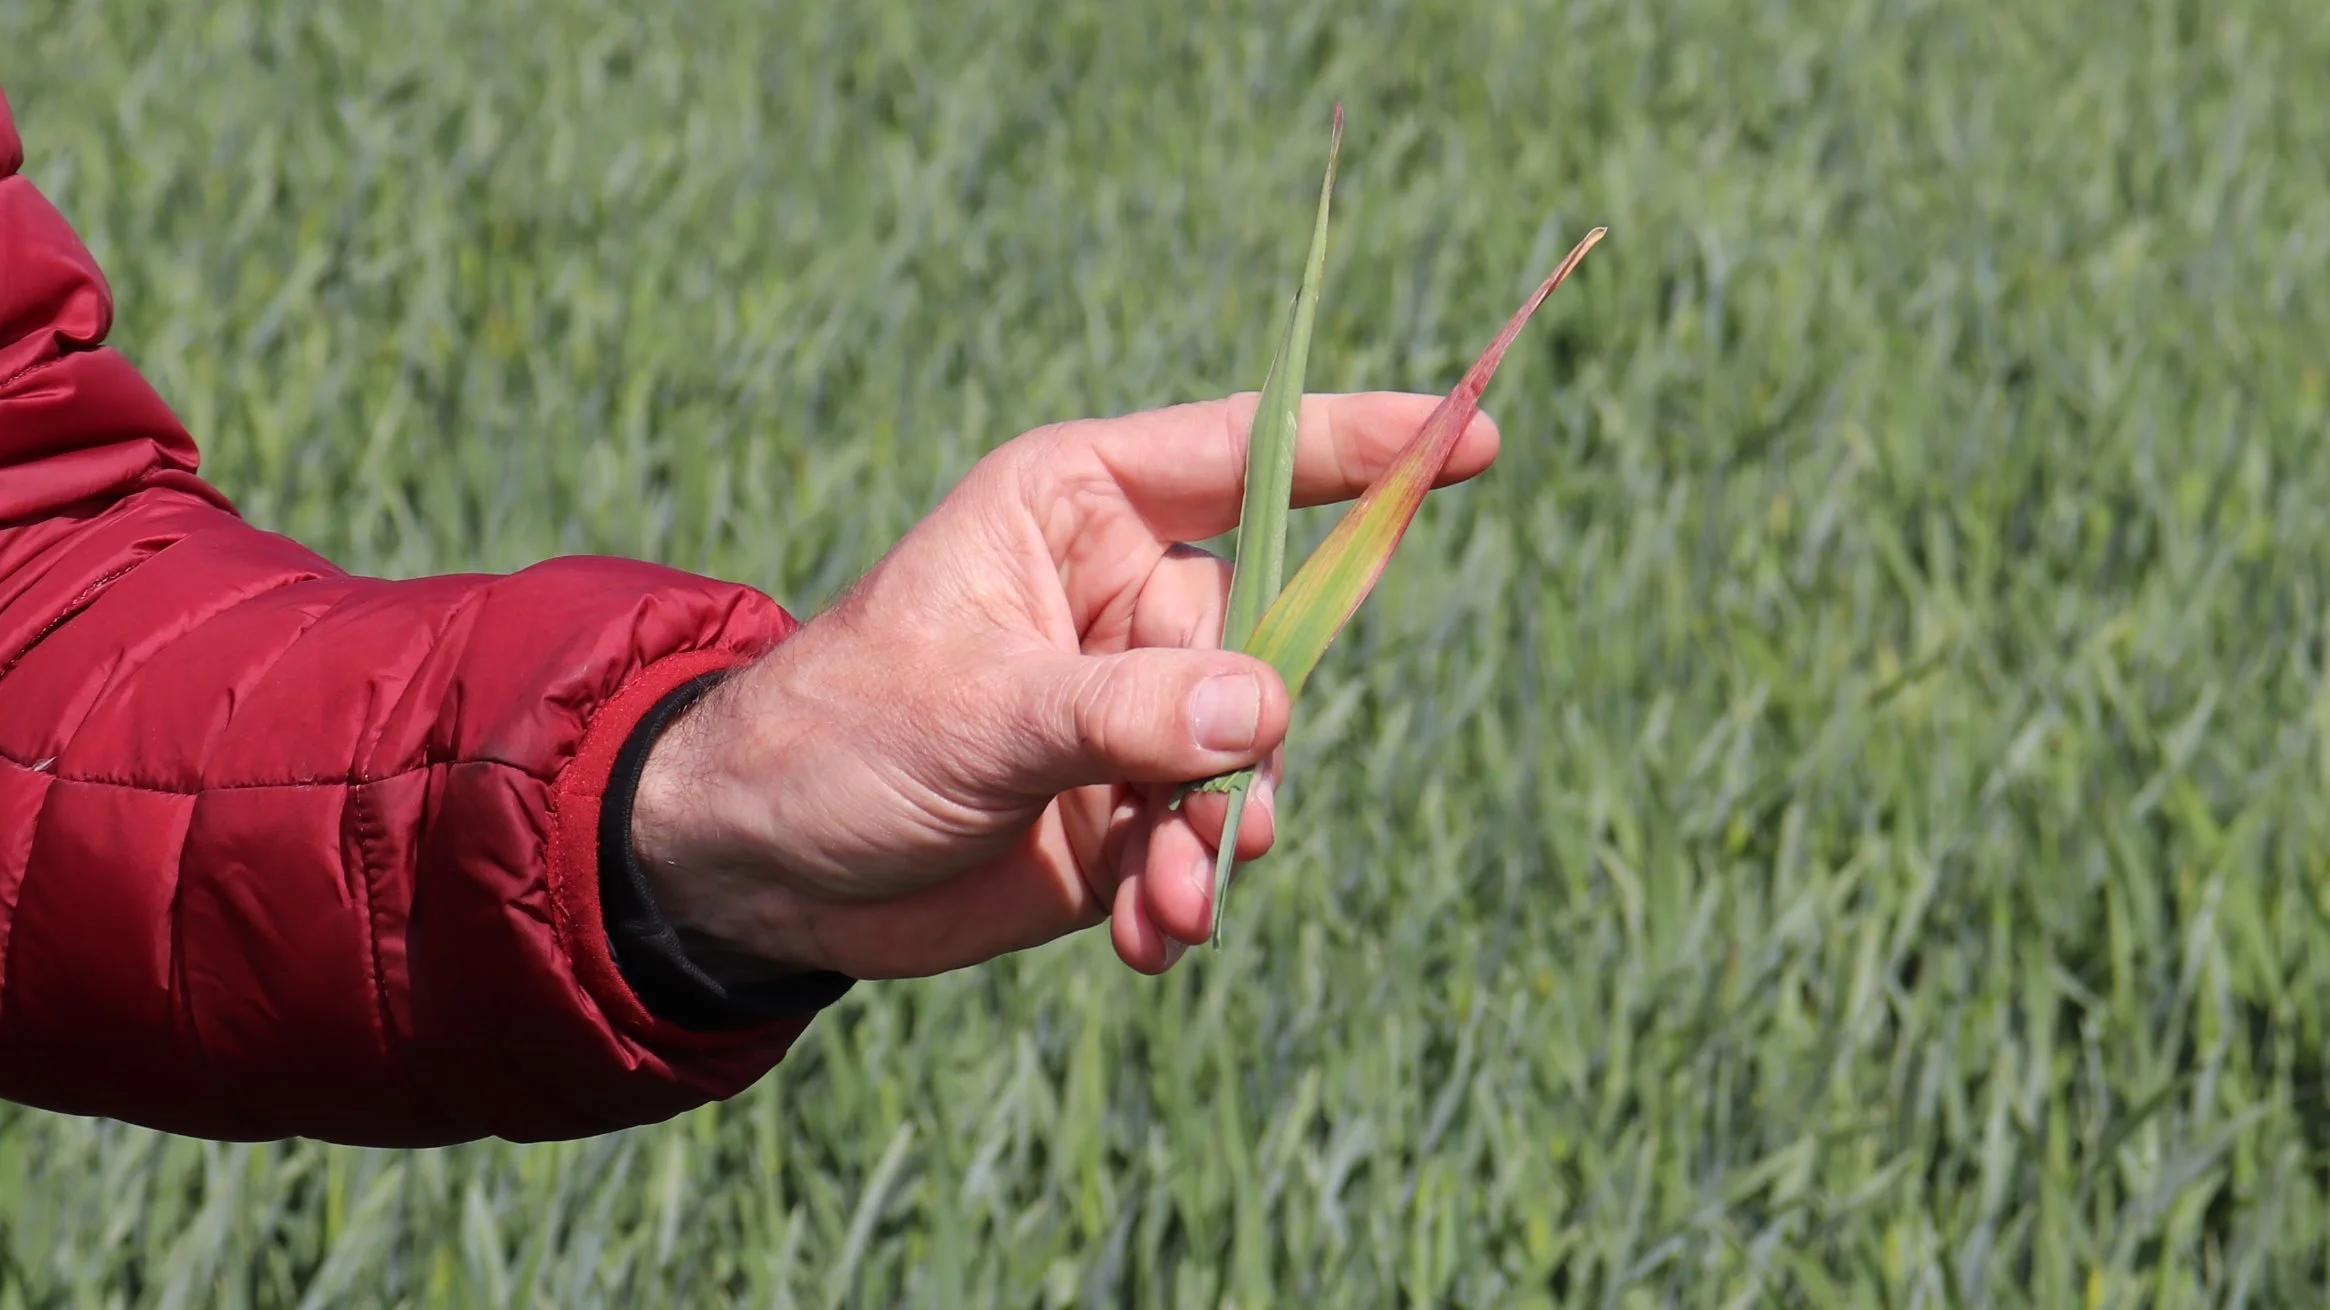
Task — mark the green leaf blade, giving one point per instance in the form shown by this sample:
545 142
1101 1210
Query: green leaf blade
1226 856
1260 563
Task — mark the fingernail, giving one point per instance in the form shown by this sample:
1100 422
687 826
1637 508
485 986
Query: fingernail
1174 950
1265 792
1226 712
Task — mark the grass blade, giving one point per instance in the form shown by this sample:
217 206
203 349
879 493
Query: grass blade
1260 561
1226 858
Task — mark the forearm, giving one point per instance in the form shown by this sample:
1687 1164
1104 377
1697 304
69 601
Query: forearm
313 854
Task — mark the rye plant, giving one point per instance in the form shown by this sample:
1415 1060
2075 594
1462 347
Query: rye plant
1290 627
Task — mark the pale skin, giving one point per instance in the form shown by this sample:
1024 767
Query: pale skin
973 752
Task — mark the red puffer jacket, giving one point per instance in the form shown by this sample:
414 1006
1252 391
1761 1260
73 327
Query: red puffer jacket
289 852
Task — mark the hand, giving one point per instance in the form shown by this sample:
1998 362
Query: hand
974 751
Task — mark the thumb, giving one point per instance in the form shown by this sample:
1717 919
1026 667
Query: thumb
1152 714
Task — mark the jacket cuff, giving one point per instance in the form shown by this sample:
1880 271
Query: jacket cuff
576 874
648 950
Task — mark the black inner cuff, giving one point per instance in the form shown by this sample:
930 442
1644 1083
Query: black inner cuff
647 949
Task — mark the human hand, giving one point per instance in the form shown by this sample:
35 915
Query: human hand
974 751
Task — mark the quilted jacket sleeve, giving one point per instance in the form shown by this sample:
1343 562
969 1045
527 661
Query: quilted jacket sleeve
285 851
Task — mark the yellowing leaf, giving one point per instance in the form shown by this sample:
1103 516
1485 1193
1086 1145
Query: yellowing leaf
1310 613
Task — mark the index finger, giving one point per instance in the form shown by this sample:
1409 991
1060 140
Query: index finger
1183 468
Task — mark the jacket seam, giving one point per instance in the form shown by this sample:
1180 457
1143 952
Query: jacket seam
40 813
39 365
74 608
337 780
361 811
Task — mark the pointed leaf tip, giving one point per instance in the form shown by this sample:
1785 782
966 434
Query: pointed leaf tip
1260 560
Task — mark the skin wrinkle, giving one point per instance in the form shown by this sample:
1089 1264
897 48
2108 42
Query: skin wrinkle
951 815
1079 713
1082 496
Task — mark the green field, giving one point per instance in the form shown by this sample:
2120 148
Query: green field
1835 818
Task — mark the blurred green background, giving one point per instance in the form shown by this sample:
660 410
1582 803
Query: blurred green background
1835 818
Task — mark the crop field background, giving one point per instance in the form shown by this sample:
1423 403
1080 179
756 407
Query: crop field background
1839 816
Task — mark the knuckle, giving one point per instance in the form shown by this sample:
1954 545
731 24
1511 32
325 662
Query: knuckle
1125 715
1096 713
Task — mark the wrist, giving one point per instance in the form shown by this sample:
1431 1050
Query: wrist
711 883
667 801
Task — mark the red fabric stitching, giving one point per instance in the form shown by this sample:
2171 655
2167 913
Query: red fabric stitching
367 827
87 597
53 361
